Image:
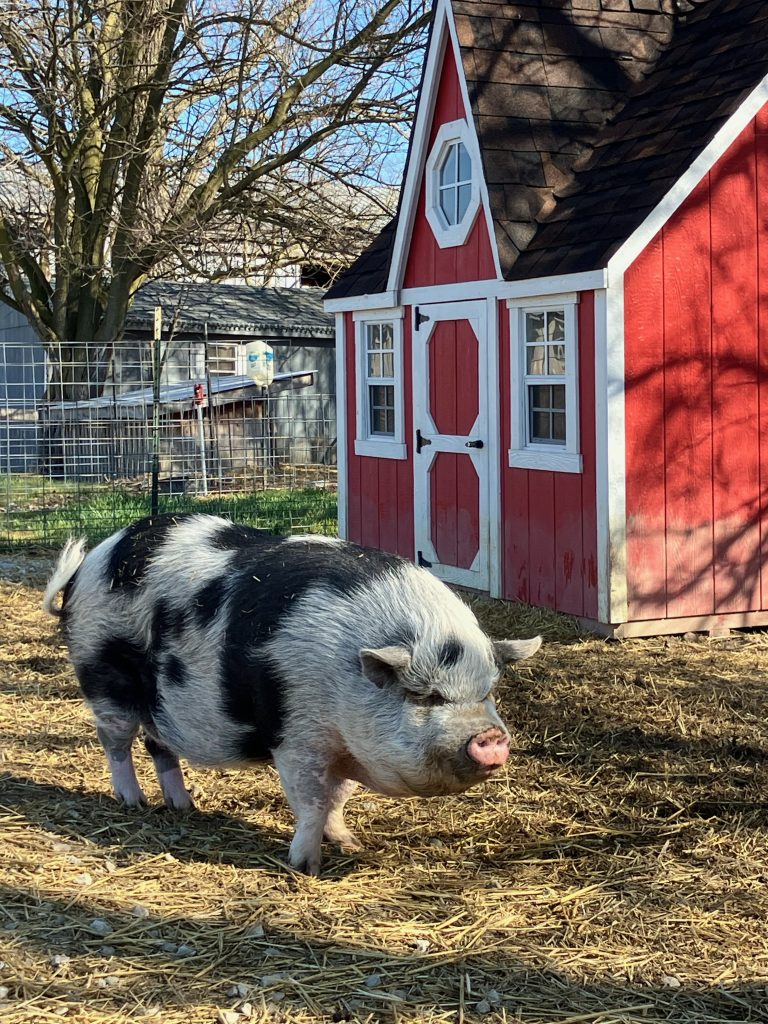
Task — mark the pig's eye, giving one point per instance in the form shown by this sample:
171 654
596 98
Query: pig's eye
428 700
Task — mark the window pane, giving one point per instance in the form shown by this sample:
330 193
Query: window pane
465 194
388 368
374 365
448 204
382 409
558 397
540 396
534 327
535 359
465 164
448 167
541 426
556 326
558 426
556 359
387 335
374 336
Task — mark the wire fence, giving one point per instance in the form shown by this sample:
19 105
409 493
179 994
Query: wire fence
93 438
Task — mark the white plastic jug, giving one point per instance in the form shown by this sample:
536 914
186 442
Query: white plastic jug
260 362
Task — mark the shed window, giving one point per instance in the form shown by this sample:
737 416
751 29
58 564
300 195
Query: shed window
455 183
545 423
379 386
380 378
452 183
545 376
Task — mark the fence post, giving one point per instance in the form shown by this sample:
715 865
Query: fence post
156 366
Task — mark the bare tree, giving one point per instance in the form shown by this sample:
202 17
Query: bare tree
133 130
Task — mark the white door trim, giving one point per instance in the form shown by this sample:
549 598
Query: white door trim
479 575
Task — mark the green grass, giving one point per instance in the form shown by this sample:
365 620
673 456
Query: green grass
35 512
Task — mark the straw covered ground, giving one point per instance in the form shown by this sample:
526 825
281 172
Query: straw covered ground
616 871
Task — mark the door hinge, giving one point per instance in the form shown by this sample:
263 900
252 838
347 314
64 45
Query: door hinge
421 560
421 442
419 318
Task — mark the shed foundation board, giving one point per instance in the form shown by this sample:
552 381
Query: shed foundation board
714 625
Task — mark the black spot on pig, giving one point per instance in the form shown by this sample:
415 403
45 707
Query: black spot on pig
167 624
209 601
450 653
162 756
130 556
253 697
122 674
232 537
174 671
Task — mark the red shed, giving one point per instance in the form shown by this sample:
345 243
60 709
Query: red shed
553 363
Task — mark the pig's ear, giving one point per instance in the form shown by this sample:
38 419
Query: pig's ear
515 650
384 665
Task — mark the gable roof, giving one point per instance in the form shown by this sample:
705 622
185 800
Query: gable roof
587 112
288 315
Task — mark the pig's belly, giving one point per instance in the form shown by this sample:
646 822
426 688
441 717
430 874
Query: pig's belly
203 732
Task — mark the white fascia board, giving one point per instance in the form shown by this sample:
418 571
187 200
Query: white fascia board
471 124
342 412
610 454
702 165
351 303
533 289
495 539
420 137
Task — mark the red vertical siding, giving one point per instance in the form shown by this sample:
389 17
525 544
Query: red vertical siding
696 323
645 431
761 161
688 426
549 520
735 417
427 262
379 491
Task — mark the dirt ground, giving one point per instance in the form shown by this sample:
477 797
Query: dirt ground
616 871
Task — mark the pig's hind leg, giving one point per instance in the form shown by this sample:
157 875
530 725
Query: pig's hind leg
116 733
169 775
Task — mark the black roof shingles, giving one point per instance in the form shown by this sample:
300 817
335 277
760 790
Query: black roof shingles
587 112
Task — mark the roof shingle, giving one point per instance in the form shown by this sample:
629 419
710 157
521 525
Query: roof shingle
587 112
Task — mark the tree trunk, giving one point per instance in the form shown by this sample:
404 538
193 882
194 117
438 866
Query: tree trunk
77 373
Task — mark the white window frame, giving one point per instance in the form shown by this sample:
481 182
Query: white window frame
524 453
449 235
379 446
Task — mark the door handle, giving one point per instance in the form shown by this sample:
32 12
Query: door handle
473 444
421 442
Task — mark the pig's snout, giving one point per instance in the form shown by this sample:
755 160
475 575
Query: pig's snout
489 749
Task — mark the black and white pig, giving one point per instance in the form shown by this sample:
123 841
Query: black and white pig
226 645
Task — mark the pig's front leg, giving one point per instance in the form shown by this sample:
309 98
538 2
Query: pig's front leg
317 799
336 830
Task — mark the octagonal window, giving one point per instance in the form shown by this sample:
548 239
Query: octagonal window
455 183
452 173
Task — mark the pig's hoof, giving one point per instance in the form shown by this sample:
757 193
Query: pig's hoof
344 839
305 857
131 799
179 802
307 867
